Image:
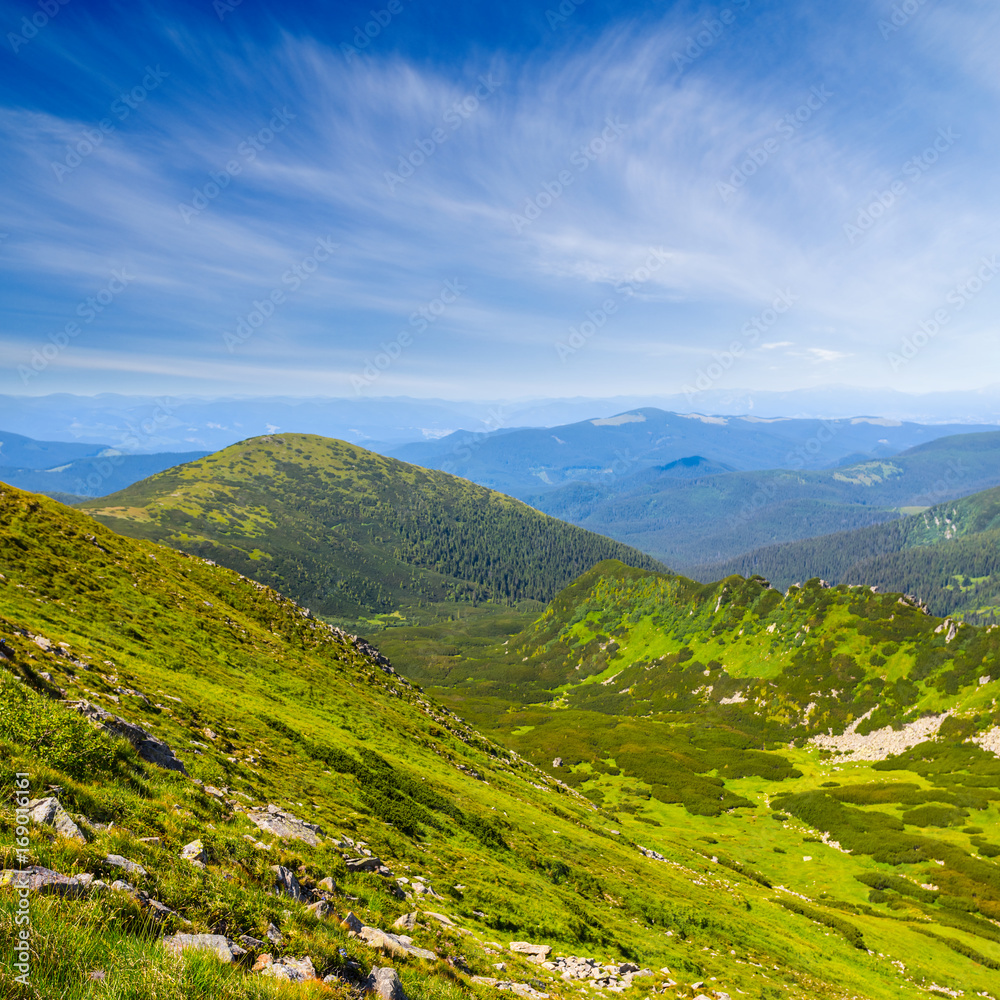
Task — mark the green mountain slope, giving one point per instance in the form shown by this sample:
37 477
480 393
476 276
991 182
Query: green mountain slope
862 727
266 706
694 523
948 556
349 532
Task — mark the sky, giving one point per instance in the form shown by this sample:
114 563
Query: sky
479 200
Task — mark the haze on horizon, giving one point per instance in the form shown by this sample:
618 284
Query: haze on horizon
462 201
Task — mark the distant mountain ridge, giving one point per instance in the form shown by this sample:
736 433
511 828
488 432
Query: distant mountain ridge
526 462
350 532
948 556
694 523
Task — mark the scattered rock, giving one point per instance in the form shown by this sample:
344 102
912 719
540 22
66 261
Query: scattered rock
284 825
49 812
129 867
385 982
441 918
250 943
44 881
222 946
146 745
294 970
320 910
363 864
195 851
286 884
534 952
406 922
351 923
398 947
328 885
273 935
263 962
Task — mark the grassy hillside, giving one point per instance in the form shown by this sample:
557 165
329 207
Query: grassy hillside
694 523
265 705
350 533
948 556
699 711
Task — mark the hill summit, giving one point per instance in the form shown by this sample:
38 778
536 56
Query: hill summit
350 532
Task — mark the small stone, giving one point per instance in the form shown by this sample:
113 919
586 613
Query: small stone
273 935
406 922
320 910
351 923
129 867
328 885
195 851
262 962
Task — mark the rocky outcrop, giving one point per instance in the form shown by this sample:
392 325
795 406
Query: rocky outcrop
384 982
284 825
44 881
292 970
226 950
533 952
129 867
286 884
194 852
147 746
398 946
49 812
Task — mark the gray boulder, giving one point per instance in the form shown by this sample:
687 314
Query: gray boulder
285 825
293 970
194 852
44 881
129 867
286 884
385 982
533 952
49 812
147 746
222 946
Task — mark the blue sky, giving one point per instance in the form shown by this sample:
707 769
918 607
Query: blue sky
498 201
